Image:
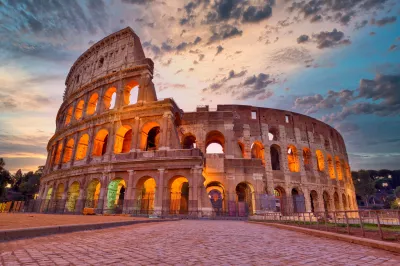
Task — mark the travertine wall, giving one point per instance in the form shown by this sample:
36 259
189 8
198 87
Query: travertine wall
132 142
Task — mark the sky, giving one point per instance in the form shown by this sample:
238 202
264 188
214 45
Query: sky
335 60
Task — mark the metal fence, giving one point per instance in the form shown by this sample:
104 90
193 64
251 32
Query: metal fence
374 224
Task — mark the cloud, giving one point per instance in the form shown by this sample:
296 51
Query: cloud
382 95
303 38
256 14
361 24
327 39
393 47
315 103
223 32
347 127
137 2
231 75
383 21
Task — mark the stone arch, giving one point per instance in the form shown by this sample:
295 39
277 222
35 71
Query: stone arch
320 160
257 151
123 139
280 197
58 152
49 193
307 161
146 188
100 143
293 159
314 201
93 193
92 104
275 152
327 201
273 133
245 198
344 201
79 109
60 192
336 201
81 149
217 140
129 96
338 167
150 136
217 195
178 187
347 171
297 200
109 98
116 193
331 168
242 150
68 115
189 141
69 147
72 196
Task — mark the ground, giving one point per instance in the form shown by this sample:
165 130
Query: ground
189 242
24 220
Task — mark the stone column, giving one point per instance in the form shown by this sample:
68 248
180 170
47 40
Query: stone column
102 204
246 141
128 200
100 101
195 189
119 100
164 131
159 192
307 199
136 134
111 140
90 146
80 204
76 139
64 142
85 105
229 139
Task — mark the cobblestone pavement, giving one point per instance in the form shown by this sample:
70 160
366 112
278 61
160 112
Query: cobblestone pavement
190 243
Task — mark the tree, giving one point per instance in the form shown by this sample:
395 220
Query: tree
5 178
30 184
364 185
397 192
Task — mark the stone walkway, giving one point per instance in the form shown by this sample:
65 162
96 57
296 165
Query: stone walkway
24 220
190 243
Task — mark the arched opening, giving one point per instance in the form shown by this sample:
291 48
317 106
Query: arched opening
242 153
338 168
331 168
344 202
189 142
79 110
150 137
257 151
275 152
69 147
273 134
116 194
314 201
307 159
245 199
215 142
280 195
100 143
49 192
92 194
293 159
320 161
146 188
179 195
109 98
59 192
92 104
347 171
216 194
82 147
58 153
327 200
72 197
298 201
123 139
336 201
131 91
68 115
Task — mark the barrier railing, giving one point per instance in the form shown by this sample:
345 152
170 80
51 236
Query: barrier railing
374 224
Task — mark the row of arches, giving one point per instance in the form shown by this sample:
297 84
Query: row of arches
150 139
109 101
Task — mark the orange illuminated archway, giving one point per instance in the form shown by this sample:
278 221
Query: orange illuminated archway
257 151
110 98
293 159
339 171
320 160
92 104
331 168
307 159
100 143
179 195
145 189
216 141
150 136
69 147
79 110
68 115
131 91
123 139
82 147
58 153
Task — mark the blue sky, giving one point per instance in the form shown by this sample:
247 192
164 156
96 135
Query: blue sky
337 61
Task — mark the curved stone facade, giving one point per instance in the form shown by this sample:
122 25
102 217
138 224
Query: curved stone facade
117 146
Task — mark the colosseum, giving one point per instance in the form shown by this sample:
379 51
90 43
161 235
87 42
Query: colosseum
119 149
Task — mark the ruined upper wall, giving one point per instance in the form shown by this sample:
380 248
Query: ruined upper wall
115 52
